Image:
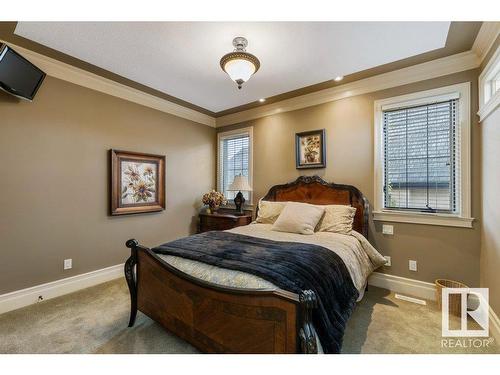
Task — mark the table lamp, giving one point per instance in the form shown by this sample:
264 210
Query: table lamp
240 183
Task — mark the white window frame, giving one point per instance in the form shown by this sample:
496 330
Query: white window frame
227 134
489 101
463 217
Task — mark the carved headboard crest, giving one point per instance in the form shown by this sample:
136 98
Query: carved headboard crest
314 190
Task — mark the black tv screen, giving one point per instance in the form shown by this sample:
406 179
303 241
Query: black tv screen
18 76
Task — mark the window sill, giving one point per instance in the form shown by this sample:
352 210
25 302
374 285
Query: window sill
423 218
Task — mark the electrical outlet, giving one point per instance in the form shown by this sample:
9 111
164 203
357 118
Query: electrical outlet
388 261
412 265
68 264
388 229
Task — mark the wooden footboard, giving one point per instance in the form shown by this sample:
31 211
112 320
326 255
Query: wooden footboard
218 319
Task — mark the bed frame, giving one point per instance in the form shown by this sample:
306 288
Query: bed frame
218 319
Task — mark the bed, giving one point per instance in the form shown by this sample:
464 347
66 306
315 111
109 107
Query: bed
224 310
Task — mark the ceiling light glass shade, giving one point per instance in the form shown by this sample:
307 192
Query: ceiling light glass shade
239 69
240 65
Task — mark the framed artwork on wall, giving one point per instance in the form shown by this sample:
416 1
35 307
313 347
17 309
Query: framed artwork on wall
310 149
137 182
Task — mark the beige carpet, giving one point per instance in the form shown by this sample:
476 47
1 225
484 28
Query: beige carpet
95 320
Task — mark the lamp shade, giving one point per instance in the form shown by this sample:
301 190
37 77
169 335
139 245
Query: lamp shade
240 183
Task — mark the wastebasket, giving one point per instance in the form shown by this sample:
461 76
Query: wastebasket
455 300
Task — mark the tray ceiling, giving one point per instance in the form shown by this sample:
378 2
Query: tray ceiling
182 58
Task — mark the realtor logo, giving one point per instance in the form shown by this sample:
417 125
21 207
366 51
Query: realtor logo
470 302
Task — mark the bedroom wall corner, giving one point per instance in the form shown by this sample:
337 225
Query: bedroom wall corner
54 171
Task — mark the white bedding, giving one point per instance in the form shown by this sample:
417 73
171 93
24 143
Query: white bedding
359 256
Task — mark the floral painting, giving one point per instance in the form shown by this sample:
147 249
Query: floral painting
137 182
310 149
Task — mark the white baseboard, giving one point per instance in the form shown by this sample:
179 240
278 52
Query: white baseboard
414 288
24 297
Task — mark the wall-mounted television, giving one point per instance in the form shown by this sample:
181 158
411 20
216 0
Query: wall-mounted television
18 76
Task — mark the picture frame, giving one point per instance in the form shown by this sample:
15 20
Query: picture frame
310 149
137 182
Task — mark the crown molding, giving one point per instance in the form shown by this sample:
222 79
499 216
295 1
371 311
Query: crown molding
428 70
485 38
69 73
420 72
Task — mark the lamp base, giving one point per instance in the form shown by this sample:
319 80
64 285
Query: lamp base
239 200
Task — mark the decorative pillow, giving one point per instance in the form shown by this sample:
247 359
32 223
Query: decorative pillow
269 211
337 219
299 218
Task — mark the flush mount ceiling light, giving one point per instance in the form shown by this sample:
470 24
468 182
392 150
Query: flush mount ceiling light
239 64
338 78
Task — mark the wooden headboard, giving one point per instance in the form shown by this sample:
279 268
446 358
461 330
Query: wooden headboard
314 190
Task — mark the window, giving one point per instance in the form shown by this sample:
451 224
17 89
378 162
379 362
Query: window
489 87
234 158
495 83
422 157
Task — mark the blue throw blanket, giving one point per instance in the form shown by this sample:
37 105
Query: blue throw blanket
290 266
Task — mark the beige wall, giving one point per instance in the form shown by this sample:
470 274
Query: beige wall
54 198
490 233
54 180
440 251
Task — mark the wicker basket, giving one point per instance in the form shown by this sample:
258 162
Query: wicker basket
455 301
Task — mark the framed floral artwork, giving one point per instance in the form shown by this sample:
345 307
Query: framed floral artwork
137 182
310 149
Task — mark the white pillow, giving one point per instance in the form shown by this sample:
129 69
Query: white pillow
269 211
337 219
299 218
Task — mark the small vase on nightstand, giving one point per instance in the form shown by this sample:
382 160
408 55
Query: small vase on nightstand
213 199
212 209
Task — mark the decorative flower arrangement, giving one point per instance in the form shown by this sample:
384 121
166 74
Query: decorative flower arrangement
214 199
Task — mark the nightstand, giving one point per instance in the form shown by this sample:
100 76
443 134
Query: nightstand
223 219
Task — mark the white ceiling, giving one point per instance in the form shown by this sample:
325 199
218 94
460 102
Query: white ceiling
182 58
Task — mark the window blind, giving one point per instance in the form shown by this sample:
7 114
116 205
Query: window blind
421 157
235 161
